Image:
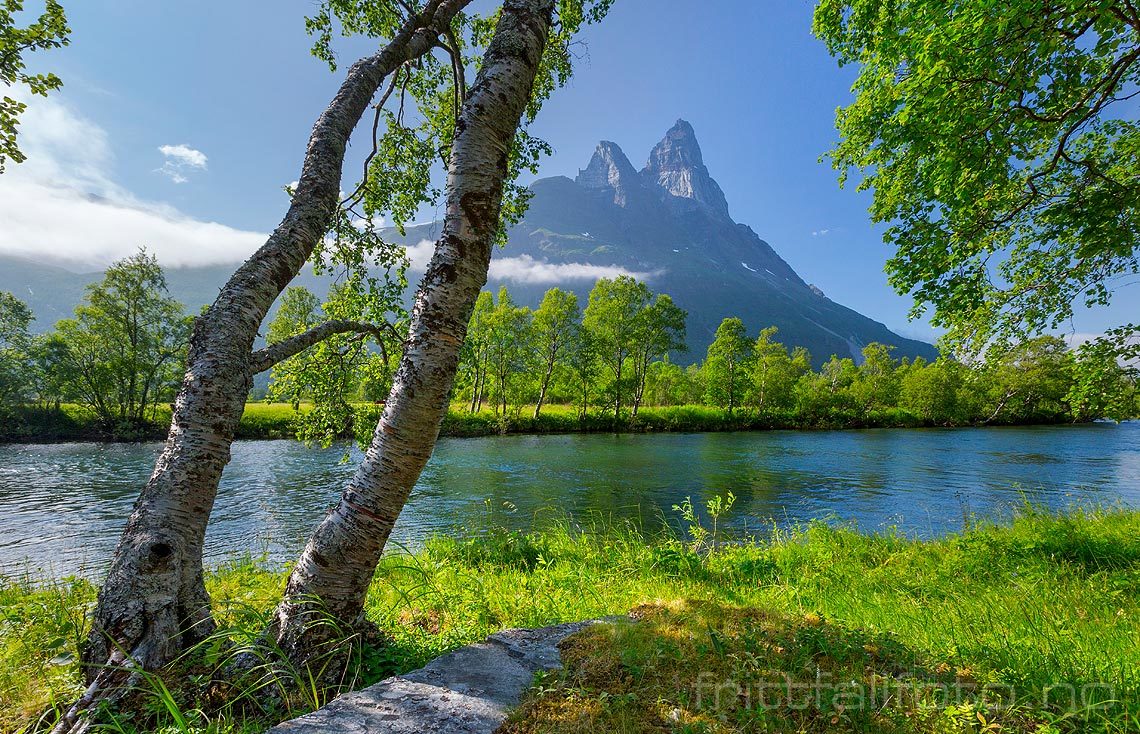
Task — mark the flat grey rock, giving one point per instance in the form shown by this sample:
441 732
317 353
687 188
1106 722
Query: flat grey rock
467 691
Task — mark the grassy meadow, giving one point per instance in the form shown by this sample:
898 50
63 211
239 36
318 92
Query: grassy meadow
1029 626
72 422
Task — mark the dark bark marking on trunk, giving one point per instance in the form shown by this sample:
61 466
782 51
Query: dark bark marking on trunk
152 605
355 532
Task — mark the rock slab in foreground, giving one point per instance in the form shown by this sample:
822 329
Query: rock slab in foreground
467 691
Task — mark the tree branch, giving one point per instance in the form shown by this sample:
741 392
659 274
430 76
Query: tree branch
263 359
352 199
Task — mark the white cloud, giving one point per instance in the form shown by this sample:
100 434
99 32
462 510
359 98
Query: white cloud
821 233
525 269
184 155
377 222
419 254
62 204
180 159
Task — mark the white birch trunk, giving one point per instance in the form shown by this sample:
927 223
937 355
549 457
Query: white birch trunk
334 571
153 603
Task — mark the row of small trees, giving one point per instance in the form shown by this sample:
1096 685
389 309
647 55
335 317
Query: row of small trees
601 355
615 354
1041 380
121 355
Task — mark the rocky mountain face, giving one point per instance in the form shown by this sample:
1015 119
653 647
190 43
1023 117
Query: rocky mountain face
668 224
677 168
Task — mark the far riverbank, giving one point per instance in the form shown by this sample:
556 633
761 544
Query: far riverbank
262 421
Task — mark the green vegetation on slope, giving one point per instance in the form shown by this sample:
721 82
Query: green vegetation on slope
1048 600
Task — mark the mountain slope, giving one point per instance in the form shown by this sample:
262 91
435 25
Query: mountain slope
52 291
670 223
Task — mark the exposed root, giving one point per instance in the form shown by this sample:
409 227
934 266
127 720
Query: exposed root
116 678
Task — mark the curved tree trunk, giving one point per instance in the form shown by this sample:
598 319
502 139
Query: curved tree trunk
153 603
617 388
334 571
545 382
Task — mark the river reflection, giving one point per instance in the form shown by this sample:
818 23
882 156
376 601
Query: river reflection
64 504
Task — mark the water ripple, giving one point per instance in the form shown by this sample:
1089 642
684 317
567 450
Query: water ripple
64 505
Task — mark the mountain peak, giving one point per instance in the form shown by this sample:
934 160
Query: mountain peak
680 145
677 166
610 171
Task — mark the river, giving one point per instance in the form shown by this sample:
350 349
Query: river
62 506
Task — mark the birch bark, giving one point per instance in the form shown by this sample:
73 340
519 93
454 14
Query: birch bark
153 603
334 570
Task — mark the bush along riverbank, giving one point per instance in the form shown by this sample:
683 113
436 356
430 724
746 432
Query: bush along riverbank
70 422
1029 626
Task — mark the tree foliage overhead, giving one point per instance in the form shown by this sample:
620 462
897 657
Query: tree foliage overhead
411 135
48 31
415 118
1002 145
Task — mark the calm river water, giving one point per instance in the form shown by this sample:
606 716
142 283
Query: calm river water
62 506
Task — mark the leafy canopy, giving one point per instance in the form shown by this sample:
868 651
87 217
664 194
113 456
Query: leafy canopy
48 31
124 350
727 364
1001 142
411 136
415 118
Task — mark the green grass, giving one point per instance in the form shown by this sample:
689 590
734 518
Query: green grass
72 422
278 420
268 420
1046 600
649 419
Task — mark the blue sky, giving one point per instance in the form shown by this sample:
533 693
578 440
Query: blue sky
229 92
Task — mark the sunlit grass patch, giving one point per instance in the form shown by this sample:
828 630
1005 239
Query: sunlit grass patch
42 625
269 420
1045 603
700 666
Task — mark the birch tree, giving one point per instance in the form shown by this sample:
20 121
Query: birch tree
584 365
519 69
153 603
477 348
125 344
612 318
15 351
775 372
510 353
555 322
727 365
660 329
